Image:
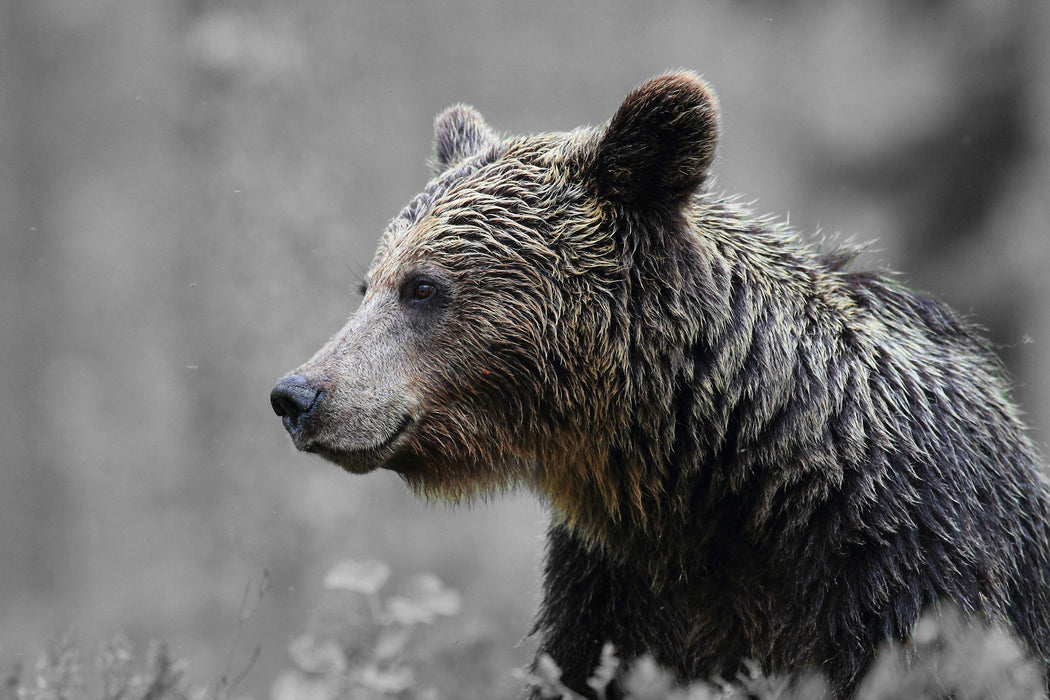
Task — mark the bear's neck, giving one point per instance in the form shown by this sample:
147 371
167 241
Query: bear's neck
716 411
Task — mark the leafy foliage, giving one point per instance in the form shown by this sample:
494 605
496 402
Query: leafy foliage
372 659
59 674
950 656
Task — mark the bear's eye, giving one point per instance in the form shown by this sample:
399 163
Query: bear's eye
419 290
423 291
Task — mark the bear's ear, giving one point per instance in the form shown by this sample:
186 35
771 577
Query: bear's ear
459 132
656 150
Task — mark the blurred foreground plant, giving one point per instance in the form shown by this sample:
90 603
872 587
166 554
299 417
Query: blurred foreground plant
60 674
950 657
374 662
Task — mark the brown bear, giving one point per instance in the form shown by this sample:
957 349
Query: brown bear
749 450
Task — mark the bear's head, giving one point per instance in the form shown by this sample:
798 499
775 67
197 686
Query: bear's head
514 307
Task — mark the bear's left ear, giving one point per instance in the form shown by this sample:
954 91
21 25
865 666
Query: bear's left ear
459 132
656 150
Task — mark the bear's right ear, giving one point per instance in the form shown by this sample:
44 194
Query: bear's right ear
459 132
656 150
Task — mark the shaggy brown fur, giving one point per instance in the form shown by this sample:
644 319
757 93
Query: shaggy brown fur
749 450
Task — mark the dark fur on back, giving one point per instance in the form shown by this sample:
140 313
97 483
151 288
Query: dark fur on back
749 450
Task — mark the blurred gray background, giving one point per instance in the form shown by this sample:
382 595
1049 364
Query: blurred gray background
191 189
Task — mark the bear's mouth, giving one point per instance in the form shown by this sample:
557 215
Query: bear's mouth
365 459
400 430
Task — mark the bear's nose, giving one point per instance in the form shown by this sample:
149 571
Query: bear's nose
292 399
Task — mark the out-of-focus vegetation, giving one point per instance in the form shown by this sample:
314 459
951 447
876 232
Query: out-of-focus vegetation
118 673
949 656
381 648
190 190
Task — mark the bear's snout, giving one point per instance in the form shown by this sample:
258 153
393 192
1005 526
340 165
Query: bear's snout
293 399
